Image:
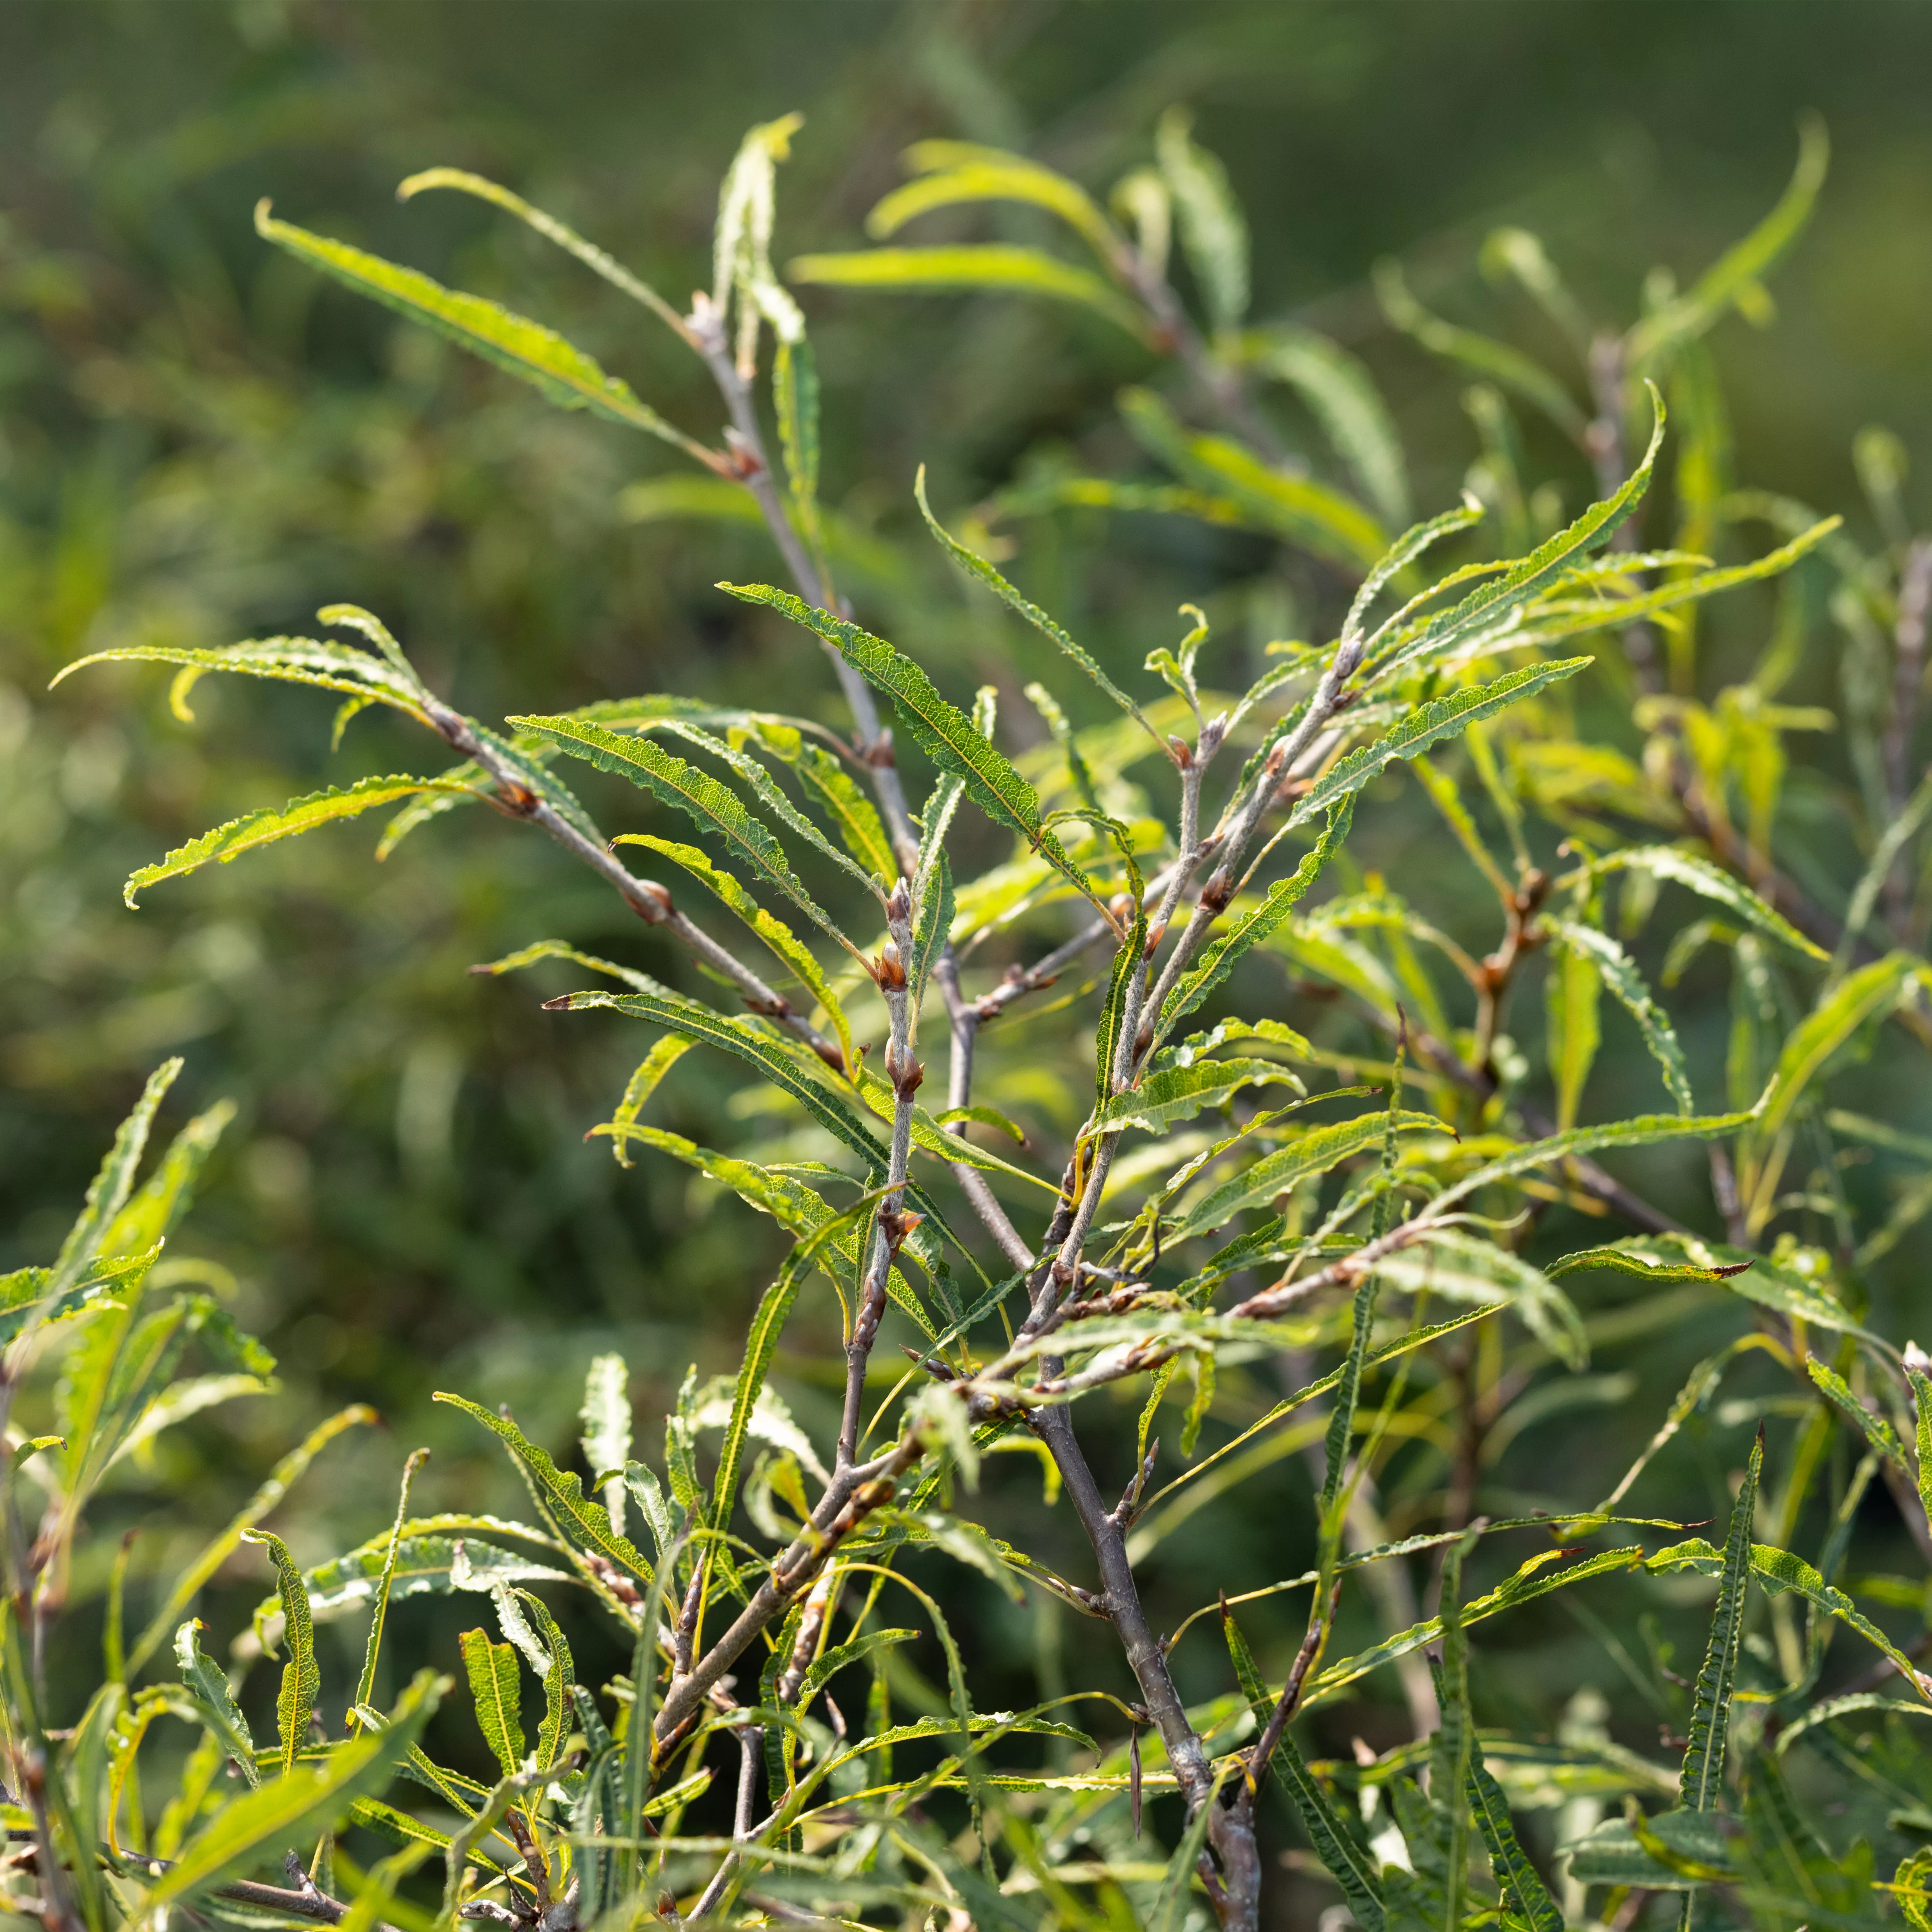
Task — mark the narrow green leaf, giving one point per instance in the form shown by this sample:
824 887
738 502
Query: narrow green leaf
1218 957
829 1663
563 374
259 1825
1617 971
209 1686
605 1420
805 1076
943 732
1571 1004
1779 1569
794 1206
425 1562
638 1089
1483 354
1171 1904
147 1219
952 172
1558 617
852 813
779 937
1876 1430
1315 1152
1641 1130
284 1475
1335 1842
976 565
933 910
1861 997
1342 1416
1451 1748
497 1688
1165 1098
330 666
1921 1402
1700 875
566 238
1401 645
1532 1581
254 829
1742 266
715 808
1322 519
1012 270
771 735
1669 1851
1457 1267
107 1193
761 1343
301 1676
1214 231
385 1582
1342 396
1637 1256
1440 717
1128 961
1701 1781
585 1526
558 1704
1518 1879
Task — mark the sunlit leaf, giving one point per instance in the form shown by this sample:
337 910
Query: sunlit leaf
1714 291
943 732
563 374
257 1826
1010 270
255 829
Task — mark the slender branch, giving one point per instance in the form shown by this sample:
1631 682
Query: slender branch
905 1073
1221 384
1319 1623
874 743
650 901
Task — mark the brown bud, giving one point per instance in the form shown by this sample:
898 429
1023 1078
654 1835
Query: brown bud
1121 905
1155 934
516 797
745 462
1219 889
898 1227
890 971
652 903
1177 750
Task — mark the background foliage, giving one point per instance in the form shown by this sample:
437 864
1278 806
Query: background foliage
202 442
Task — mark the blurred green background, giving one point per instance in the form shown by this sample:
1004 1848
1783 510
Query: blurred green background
200 441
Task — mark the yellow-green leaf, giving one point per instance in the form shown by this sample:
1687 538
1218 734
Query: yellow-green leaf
784 943
561 373
498 1690
983 265
254 829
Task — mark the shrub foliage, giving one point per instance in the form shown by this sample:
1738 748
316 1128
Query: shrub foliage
1397 1222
